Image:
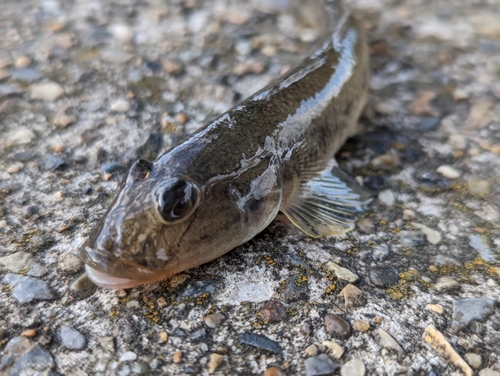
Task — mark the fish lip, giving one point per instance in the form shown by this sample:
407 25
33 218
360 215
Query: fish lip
107 281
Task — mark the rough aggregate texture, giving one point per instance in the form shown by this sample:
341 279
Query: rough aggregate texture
88 87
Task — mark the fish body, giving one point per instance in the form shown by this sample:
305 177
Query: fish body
225 183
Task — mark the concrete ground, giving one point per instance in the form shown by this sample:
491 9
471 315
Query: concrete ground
87 87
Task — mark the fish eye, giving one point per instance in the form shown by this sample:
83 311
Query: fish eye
178 200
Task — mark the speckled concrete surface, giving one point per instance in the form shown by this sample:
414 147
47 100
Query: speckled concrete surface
87 87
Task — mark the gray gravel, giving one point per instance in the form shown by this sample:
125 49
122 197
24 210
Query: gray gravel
88 87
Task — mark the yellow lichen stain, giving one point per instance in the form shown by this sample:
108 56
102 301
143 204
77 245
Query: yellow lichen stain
270 261
330 289
395 293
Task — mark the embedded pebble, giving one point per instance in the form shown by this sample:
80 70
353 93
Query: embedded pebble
36 358
448 172
214 320
342 273
62 120
478 187
27 289
433 236
366 225
320 365
53 162
71 338
46 91
274 371
387 197
474 360
447 284
27 75
488 372
311 350
82 283
69 263
467 310
20 135
354 367
261 342
273 311
215 361
386 161
353 297
386 341
439 343
337 326
178 280
438 308
177 357
384 275
29 333
122 32
16 261
361 325
120 105
380 252
7 90
128 356
334 349
481 246
107 343
412 238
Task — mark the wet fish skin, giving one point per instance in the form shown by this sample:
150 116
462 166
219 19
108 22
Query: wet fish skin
226 182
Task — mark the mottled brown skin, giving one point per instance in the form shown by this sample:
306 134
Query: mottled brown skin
247 165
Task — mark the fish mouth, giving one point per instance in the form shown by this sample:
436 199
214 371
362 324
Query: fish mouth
109 282
111 272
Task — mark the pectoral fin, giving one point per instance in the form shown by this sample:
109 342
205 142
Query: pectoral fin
327 204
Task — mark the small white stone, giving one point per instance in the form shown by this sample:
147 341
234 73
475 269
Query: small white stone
448 172
387 197
47 91
122 32
334 349
386 341
474 360
120 105
311 350
354 367
342 273
433 236
128 356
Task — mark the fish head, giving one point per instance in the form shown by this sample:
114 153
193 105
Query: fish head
164 222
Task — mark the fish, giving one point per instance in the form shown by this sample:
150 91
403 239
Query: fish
225 183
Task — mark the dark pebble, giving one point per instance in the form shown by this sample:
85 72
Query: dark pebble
37 358
429 178
27 289
337 326
412 238
192 370
71 338
306 328
295 290
376 183
126 329
25 156
53 162
110 167
320 365
297 260
261 342
384 276
428 124
434 372
467 310
496 323
198 335
179 333
27 75
30 209
273 311
477 328
151 65
198 288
